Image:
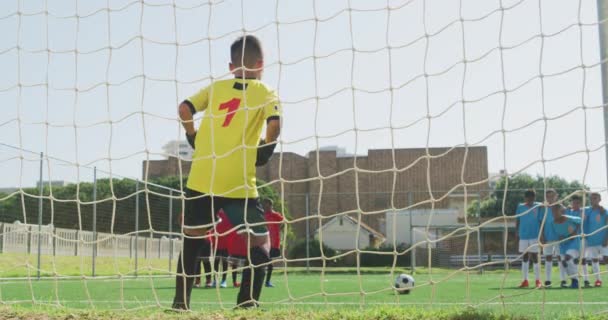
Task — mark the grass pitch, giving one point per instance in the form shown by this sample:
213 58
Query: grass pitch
337 294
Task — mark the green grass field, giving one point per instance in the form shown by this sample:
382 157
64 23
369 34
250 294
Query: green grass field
439 292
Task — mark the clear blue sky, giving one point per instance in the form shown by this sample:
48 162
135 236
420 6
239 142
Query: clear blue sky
148 74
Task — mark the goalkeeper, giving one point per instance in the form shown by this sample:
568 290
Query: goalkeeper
227 149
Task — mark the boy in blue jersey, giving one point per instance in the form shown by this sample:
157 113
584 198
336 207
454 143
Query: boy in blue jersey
576 210
567 228
550 239
594 227
527 225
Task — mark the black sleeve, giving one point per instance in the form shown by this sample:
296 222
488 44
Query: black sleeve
272 118
190 106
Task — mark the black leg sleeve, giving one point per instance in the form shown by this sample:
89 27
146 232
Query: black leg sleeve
207 266
235 273
251 287
186 263
224 269
269 274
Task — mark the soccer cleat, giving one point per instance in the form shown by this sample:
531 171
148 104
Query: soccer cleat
538 284
209 284
223 284
524 284
574 284
587 284
598 283
197 285
269 284
564 284
177 307
548 284
236 284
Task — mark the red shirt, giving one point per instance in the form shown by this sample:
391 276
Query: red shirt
274 228
222 240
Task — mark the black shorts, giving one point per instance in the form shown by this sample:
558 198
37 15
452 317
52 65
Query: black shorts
221 253
275 253
201 210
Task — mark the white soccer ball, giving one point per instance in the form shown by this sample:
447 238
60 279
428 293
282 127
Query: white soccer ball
404 283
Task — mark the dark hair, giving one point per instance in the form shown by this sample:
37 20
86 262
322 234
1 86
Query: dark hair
530 194
252 51
550 190
596 194
267 201
576 197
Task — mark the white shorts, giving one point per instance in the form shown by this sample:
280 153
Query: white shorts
529 245
595 252
551 249
571 252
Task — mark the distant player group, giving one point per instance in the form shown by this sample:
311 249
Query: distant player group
572 235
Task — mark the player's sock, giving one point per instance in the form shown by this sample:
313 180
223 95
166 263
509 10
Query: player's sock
224 270
536 268
585 272
251 285
269 274
596 269
548 269
186 263
572 269
235 274
562 272
525 268
207 266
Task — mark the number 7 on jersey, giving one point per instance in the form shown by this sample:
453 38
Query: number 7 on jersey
231 106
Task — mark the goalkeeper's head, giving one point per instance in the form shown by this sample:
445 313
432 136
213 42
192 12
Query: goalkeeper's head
247 57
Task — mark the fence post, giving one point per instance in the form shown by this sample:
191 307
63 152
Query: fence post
3 234
54 241
170 228
41 192
478 229
136 223
307 232
94 251
410 200
76 243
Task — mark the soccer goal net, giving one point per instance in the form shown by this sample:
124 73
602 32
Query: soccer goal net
410 131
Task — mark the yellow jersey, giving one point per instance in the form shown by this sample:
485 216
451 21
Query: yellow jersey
223 163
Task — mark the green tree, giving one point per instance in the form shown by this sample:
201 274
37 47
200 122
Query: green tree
492 206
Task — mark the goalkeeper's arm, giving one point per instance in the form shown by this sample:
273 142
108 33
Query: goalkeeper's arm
186 112
267 145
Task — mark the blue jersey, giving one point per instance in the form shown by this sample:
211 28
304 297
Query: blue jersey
574 213
529 219
548 230
567 229
594 220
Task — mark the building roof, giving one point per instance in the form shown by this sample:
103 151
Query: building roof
354 221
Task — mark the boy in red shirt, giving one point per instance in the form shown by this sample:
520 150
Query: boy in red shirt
275 220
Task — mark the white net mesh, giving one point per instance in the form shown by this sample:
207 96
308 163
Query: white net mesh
398 116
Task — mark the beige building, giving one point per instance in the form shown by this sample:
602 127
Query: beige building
340 233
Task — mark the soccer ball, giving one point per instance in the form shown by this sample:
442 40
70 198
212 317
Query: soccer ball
404 283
